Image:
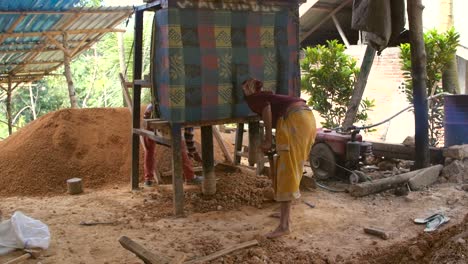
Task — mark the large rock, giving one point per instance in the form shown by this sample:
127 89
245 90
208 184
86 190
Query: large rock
425 177
458 152
456 171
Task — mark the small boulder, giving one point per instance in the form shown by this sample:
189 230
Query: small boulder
458 152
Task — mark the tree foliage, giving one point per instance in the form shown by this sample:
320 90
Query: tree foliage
440 50
329 77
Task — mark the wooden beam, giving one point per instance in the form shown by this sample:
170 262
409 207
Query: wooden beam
221 144
150 134
223 252
12 27
252 118
312 30
419 75
17 43
126 94
340 30
32 63
72 19
32 50
78 11
141 252
58 44
60 32
28 59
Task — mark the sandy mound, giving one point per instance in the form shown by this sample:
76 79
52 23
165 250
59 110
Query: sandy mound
92 144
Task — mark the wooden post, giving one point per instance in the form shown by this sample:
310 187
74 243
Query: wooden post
120 43
177 174
68 74
8 107
238 143
356 98
137 67
340 30
254 141
209 183
419 75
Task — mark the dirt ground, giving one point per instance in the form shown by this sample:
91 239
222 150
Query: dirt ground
332 232
36 161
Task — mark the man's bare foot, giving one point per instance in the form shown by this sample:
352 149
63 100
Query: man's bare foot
278 233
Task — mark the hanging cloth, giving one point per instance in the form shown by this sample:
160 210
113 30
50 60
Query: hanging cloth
383 20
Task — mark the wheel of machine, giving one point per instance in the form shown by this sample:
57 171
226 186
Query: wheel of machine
322 161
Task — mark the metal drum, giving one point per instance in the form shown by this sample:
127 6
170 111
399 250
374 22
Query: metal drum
456 120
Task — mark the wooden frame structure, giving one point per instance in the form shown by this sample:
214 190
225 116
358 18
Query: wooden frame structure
174 129
27 53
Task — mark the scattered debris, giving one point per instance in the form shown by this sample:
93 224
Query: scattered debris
28 253
311 205
92 223
377 232
376 186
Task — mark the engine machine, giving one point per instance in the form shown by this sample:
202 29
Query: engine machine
337 154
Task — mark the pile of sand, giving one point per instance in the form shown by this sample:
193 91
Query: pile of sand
92 144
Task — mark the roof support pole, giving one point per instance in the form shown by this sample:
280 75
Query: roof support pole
340 30
359 87
68 74
8 107
419 75
137 68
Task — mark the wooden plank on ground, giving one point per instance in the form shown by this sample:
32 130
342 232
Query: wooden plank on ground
141 252
224 252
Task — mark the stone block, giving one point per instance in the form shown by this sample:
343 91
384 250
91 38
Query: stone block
425 177
458 152
455 171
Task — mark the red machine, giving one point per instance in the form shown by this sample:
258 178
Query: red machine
336 153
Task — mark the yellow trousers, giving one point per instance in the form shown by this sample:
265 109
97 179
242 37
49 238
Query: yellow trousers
295 135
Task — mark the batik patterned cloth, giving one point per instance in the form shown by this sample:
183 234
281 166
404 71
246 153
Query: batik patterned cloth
201 57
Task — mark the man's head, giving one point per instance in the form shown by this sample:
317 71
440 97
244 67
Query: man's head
251 86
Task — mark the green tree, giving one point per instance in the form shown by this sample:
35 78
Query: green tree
329 77
440 49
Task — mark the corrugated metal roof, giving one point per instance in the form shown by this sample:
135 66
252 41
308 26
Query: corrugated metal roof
31 40
25 5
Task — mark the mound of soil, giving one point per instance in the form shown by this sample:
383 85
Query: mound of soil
233 190
447 246
92 144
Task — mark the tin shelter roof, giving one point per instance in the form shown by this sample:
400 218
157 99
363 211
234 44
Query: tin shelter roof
36 35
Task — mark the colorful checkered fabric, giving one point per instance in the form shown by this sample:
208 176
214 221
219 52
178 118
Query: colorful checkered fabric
202 56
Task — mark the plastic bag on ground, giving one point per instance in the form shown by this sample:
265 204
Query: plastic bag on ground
21 231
